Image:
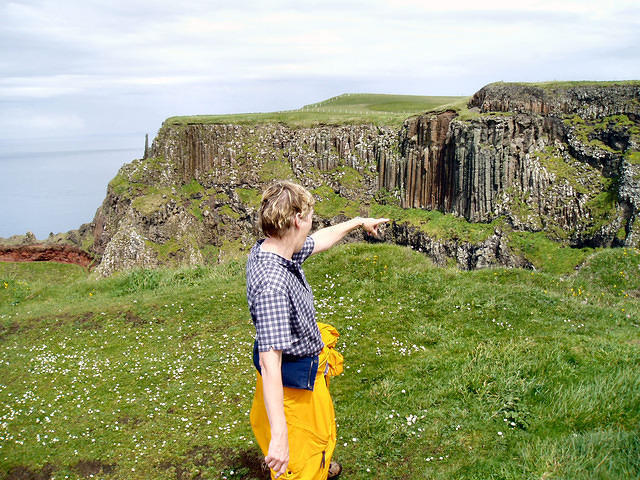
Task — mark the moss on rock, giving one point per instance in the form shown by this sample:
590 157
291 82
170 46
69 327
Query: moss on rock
227 211
249 196
436 224
632 157
275 170
552 160
164 251
192 188
150 203
329 204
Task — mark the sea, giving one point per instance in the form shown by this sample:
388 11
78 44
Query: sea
54 185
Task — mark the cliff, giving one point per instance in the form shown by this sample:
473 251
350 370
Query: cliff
589 100
45 253
194 200
573 177
561 159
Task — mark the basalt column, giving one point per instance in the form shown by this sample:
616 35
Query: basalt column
426 176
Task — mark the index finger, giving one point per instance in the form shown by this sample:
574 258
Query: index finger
281 470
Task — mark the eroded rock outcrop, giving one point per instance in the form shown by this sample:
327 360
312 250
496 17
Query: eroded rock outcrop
45 253
196 196
589 100
495 250
238 154
574 177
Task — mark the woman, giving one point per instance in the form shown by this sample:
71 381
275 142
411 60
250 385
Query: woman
292 414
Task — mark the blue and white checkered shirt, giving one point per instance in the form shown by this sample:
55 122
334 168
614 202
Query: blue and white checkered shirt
281 302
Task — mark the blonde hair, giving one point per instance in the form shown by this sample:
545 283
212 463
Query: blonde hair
280 202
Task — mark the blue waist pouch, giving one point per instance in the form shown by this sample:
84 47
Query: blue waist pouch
297 372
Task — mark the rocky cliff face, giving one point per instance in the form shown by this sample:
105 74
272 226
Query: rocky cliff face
563 161
575 177
195 198
45 253
242 154
589 100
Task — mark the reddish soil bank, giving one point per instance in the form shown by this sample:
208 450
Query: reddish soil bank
45 253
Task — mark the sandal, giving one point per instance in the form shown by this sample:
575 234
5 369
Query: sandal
335 469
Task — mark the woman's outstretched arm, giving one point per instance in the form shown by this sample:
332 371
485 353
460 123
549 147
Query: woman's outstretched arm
327 237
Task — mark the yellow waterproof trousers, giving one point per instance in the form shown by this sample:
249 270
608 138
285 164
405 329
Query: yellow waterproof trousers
311 422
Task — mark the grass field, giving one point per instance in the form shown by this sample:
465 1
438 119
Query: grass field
367 108
346 109
489 374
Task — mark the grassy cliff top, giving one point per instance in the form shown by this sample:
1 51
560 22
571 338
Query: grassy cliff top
346 109
370 108
494 373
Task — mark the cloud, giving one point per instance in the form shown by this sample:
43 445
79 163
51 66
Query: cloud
165 58
39 123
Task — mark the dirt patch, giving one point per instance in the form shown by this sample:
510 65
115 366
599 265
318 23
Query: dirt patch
90 468
10 329
46 253
134 319
188 337
21 472
126 420
201 455
85 321
246 464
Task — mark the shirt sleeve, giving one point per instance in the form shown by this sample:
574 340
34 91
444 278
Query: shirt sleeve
304 252
271 316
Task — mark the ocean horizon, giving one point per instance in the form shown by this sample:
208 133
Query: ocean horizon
54 185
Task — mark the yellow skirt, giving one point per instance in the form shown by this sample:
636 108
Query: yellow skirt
311 421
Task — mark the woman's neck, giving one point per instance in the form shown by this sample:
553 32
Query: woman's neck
279 246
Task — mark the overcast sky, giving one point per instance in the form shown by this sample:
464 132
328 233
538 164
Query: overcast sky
83 67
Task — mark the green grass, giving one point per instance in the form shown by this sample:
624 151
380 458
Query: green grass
148 374
329 204
249 196
367 102
633 157
276 170
192 188
151 202
546 254
435 223
346 109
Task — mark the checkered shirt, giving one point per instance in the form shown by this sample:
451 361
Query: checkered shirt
281 302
